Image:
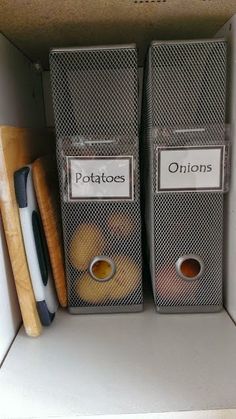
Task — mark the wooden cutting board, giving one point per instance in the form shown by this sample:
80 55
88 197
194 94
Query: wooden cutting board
20 146
47 192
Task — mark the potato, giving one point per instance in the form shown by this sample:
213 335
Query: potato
121 224
87 242
89 290
125 281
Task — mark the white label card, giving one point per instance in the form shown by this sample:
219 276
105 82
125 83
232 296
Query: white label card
100 178
190 168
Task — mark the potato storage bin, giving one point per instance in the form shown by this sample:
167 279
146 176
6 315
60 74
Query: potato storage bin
186 172
95 97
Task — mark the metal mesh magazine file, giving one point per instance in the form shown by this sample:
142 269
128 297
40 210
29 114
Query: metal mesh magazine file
185 167
95 97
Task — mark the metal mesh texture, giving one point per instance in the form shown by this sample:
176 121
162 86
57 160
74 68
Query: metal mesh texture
185 90
95 98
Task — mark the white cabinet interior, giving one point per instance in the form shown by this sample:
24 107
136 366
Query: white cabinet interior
140 364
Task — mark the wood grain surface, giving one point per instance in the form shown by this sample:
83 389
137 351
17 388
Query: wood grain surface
47 192
18 147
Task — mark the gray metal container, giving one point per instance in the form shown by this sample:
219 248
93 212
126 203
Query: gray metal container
95 98
184 106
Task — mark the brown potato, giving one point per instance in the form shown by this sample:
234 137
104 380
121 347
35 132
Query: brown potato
125 281
87 242
89 290
122 224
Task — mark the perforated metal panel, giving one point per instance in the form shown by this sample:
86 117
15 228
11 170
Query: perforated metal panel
184 106
95 97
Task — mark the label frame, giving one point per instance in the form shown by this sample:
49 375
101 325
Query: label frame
158 151
110 198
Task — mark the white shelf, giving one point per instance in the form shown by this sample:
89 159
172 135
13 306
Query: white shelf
122 364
